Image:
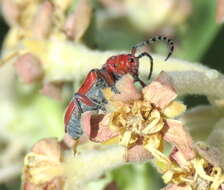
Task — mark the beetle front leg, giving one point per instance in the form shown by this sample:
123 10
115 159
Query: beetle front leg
114 89
106 80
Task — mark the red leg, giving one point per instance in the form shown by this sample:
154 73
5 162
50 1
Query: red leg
75 104
84 99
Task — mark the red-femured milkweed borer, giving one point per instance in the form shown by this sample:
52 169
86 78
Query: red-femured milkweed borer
90 96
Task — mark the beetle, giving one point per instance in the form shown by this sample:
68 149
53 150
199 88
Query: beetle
90 97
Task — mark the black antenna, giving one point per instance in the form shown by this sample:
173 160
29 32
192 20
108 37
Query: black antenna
151 62
170 43
153 40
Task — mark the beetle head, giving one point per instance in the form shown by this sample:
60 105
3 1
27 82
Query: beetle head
122 64
129 63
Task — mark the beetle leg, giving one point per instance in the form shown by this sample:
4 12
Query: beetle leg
76 100
100 105
84 99
74 147
141 82
114 89
89 102
106 78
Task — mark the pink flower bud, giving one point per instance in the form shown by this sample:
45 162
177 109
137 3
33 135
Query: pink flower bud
78 21
29 68
43 20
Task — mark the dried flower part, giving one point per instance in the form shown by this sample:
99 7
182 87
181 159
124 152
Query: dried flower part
48 147
193 174
137 153
96 132
79 20
42 166
68 141
129 93
143 120
207 174
211 154
43 20
134 115
178 136
162 162
29 68
134 121
178 157
142 126
161 91
174 109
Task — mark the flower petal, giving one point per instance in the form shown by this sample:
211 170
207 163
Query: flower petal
42 23
96 130
137 153
180 138
161 91
155 123
78 22
127 89
174 109
43 166
48 147
126 138
178 157
211 154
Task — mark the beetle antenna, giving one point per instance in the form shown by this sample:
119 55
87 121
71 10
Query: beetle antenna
170 43
151 62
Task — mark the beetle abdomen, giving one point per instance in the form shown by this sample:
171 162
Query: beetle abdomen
73 116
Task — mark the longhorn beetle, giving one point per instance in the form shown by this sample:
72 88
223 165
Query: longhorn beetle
90 96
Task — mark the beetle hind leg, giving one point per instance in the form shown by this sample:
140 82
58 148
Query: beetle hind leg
74 127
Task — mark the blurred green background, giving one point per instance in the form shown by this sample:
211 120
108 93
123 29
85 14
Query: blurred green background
198 38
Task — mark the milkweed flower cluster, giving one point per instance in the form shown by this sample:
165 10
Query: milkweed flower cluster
137 123
43 166
138 118
51 166
143 121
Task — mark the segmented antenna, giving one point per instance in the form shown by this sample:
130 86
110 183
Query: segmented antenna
153 40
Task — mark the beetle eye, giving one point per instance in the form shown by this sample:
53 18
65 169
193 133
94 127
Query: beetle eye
131 60
115 65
